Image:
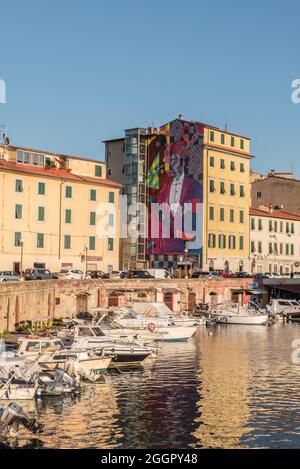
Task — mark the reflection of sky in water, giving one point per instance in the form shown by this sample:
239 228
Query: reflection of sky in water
232 386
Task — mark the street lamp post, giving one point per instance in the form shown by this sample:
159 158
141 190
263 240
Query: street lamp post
86 257
185 261
21 260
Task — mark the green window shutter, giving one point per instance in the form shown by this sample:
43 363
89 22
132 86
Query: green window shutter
18 239
67 242
111 197
222 164
212 136
259 247
18 212
241 144
232 141
222 139
110 244
232 166
92 218
41 214
93 194
231 215
92 243
40 240
19 185
232 189
212 161
68 216
292 250
69 192
211 213
111 220
211 186
222 214
242 168
98 171
287 249
241 216
270 248
41 188
222 187
241 242
242 192
252 246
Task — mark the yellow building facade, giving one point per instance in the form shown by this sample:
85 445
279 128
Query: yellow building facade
226 187
49 214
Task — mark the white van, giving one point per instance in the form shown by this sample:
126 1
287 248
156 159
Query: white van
159 273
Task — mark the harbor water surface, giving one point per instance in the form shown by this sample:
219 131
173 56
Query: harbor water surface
228 387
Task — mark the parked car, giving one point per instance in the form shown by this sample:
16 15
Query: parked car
200 274
85 315
9 276
242 275
116 274
260 276
159 273
139 274
70 274
225 273
37 274
94 274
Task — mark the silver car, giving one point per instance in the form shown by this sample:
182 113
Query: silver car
9 276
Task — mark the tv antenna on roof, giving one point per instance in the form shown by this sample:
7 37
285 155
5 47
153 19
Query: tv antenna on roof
5 140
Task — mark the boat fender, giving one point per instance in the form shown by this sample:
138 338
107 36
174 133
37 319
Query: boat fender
151 327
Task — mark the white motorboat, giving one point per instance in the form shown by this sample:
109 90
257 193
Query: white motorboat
155 334
89 337
52 353
289 309
162 315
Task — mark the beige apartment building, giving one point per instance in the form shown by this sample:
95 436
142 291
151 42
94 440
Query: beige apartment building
50 211
274 241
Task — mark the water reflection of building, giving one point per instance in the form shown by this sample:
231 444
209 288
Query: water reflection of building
90 421
223 407
157 407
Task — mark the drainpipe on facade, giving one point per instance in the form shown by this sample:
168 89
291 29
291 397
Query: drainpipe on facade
59 221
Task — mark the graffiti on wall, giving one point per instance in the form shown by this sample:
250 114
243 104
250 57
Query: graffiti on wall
175 180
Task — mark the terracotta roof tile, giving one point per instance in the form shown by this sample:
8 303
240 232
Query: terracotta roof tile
274 214
56 173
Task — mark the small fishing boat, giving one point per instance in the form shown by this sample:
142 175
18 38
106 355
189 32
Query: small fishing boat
239 314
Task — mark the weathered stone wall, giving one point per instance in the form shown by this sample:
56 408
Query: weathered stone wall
42 300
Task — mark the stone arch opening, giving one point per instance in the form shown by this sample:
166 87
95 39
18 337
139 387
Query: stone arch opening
82 302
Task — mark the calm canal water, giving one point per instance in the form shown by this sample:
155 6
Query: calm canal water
229 387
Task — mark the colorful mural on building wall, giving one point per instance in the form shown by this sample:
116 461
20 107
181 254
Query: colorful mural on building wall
175 179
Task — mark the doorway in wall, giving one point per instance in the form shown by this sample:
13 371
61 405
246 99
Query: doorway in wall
82 302
17 267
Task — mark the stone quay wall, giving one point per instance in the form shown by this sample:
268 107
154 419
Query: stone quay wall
49 299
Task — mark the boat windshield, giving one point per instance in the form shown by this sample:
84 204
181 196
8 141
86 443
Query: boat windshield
97 332
294 303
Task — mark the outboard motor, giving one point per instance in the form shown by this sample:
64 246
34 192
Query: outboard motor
12 416
57 384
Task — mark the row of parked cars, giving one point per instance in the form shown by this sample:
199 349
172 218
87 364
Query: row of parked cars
75 274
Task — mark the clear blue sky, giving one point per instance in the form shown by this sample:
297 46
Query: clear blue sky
78 72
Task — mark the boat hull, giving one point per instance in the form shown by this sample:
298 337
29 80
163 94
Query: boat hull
247 320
